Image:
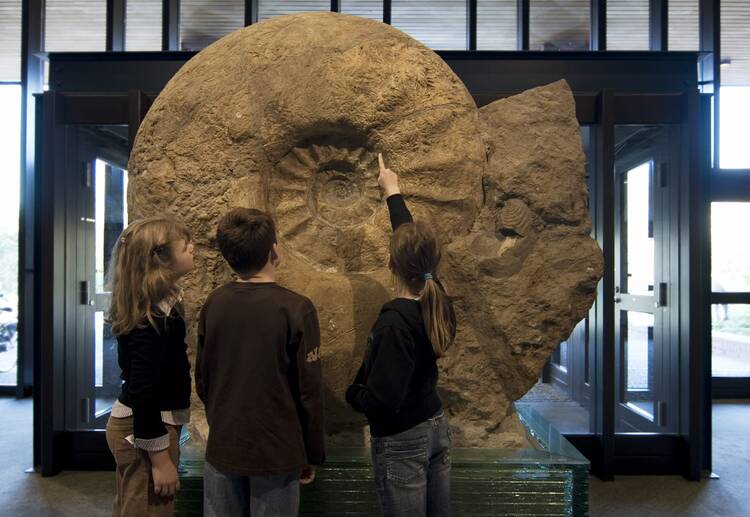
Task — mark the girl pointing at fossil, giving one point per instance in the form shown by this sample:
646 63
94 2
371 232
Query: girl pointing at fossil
396 386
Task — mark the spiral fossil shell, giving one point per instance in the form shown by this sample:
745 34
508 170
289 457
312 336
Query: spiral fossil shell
515 219
288 116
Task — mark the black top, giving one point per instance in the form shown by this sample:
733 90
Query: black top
258 373
396 386
156 372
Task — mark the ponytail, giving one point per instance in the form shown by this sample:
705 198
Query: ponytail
415 255
439 318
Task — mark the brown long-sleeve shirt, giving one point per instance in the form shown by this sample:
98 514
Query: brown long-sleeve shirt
258 373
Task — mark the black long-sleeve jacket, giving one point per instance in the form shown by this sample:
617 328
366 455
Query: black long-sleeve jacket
155 371
396 386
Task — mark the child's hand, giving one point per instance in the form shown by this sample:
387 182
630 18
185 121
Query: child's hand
307 476
164 472
387 179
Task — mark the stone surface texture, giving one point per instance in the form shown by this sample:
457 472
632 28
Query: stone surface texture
288 116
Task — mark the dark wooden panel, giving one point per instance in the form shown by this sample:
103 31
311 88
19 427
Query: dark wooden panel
483 73
96 109
730 298
730 387
664 108
730 185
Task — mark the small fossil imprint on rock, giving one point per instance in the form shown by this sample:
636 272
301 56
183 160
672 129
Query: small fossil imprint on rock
515 219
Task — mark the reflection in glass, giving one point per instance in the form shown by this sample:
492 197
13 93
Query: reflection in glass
204 21
564 355
730 355
372 9
627 25
111 217
683 25
10 35
78 26
734 106
272 8
496 25
440 24
565 399
559 25
143 25
10 156
639 231
730 251
735 44
638 349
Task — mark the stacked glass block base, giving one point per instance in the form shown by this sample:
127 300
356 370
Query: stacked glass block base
550 480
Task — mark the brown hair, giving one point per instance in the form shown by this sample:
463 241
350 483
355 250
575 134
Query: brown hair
140 271
246 237
415 256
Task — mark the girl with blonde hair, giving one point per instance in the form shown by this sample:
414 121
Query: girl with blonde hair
146 315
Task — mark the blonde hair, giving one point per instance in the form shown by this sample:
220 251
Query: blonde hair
415 256
140 273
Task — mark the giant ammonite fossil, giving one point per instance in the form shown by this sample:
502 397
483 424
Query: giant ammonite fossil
288 116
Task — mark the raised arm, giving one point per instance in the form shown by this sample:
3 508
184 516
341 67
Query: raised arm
388 181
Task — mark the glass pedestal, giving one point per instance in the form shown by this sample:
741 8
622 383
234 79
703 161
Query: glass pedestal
552 479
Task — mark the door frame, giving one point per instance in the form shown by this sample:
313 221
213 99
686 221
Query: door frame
57 447
662 155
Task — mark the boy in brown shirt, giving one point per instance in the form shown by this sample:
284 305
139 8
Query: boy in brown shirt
258 374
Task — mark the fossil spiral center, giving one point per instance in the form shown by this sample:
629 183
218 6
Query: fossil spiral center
337 185
325 200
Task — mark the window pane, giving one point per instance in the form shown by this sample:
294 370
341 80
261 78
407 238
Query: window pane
270 8
496 25
735 42
441 25
10 164
75 26
365 8
110 218
143 25
638 229
638 346
564 355
627 25
734 103
204 21
730 248
559 25
731 341
10 40
683 25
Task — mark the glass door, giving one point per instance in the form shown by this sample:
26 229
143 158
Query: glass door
98 205
643 361
10 156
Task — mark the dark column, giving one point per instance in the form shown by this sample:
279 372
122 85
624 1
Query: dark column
598 25
658 24
115 25
522 31
170 25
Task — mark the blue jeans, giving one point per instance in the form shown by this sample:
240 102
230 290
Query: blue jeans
412 469
229 495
